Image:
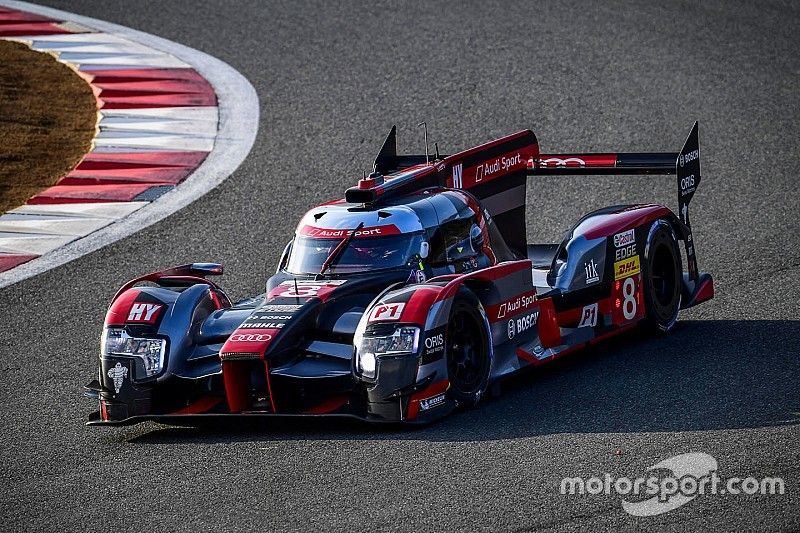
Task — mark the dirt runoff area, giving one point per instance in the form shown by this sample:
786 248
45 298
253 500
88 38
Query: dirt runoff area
48 116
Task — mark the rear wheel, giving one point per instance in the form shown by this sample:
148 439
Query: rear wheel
467 349
662 277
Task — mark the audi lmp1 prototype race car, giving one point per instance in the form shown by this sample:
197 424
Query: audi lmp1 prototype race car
409 297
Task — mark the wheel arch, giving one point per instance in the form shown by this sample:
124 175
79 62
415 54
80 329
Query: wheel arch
177 315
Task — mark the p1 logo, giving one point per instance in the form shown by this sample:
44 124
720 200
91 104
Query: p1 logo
386 312
588 316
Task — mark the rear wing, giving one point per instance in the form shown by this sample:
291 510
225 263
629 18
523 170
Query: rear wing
496 174
685 165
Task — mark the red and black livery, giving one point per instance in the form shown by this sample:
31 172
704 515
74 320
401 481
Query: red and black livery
409 297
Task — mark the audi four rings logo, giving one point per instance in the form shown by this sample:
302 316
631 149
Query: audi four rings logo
250 337
558 162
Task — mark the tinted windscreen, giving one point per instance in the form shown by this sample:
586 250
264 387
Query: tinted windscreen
362 254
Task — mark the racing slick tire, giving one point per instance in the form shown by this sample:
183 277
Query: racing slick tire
662 277
467 349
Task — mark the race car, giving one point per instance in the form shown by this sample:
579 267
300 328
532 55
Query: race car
410 297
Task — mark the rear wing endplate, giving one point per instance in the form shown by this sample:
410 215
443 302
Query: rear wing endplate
685 165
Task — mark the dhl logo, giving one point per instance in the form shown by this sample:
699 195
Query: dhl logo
627 267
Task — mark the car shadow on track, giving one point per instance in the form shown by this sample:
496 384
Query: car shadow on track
705 375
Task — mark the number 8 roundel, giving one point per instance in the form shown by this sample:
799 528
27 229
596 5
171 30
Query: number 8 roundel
627 299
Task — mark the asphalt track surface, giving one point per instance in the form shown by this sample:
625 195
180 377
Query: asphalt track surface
331 81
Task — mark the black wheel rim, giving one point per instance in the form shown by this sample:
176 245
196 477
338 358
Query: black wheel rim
466 359
663 276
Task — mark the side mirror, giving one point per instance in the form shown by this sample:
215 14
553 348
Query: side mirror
424 249
200 270
476 238
285 256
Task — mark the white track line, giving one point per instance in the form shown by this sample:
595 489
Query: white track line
236 132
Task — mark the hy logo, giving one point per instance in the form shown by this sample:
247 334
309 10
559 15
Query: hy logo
458 182
144 313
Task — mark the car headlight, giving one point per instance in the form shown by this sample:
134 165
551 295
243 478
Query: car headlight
116 341
371 346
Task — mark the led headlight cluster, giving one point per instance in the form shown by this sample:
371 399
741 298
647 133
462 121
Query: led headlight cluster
403 340
116 341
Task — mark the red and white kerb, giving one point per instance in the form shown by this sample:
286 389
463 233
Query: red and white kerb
157 123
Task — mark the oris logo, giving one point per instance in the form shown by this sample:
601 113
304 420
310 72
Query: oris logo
687 183
251 337
435 343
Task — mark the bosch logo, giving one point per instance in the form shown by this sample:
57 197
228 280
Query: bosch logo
527 322
522 324
251 337
688 158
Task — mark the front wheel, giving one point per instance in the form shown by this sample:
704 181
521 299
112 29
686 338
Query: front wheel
467 349
662 277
